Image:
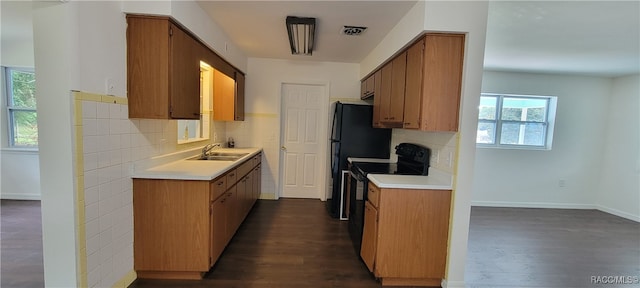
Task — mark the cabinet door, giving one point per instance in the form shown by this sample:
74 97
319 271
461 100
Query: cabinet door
363 89
231 213
385 91
239 97
257 178
369 236
223 97
396 103
377 99
148 67
241 201
218 227
185 55
413 93
444 56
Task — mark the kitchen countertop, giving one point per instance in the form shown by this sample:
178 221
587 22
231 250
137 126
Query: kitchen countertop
437 180
175 166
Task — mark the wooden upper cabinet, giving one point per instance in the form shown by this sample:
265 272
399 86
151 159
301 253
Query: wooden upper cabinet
239 97
420 88
163 69
442 82
377 99
391 98
184 72
413 84
398 75
223 97
228 96
385 92
367 87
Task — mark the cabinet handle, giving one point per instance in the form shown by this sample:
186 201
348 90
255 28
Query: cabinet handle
392 118
386 118
232 174
407 123
220 183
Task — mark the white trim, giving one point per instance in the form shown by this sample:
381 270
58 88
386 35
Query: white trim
618 213
452 284
532 205
20 196
20 151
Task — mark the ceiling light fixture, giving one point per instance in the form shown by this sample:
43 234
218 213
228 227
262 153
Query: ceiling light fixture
302 32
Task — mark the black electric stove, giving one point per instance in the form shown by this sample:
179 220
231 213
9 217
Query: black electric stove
413 159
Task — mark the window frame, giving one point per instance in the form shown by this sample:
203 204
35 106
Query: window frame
548 123
11 108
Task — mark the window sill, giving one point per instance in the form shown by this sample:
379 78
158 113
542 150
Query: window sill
192 140
505 147
20 150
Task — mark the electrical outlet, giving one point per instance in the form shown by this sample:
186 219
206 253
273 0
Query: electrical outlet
562 183
109 86
215 137
435 158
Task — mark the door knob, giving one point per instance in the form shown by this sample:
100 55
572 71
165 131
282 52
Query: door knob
283 148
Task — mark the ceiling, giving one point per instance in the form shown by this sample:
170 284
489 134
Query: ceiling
258 27
600 38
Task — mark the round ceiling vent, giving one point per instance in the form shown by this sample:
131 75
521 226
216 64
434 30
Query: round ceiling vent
353 30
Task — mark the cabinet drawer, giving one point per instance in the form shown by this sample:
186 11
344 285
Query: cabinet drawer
257 159
232 177
244 168
218 186
373 195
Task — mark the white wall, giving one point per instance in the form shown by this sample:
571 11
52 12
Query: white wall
78 46
20 169
530 178
263 99
619 189
454 16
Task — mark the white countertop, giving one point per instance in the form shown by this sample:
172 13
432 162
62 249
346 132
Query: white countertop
176 166
437 180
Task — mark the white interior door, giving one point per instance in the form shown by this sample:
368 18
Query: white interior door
304 119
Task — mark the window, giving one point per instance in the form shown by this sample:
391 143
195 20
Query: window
516 121
21 107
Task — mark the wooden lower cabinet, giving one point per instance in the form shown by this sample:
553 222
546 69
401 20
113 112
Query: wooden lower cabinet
181 227
405 237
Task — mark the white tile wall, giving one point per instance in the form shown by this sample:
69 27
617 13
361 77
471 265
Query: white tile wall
111 143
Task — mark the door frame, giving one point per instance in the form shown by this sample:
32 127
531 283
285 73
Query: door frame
323 130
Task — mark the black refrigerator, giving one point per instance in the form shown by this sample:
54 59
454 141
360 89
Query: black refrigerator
353 135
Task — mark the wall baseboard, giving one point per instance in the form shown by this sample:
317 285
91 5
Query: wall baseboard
505 204
532 205
452 284
20 196
619 213
267 196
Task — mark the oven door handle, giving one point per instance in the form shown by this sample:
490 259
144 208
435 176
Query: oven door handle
359 177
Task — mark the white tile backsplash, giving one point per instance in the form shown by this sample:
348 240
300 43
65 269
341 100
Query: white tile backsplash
111 143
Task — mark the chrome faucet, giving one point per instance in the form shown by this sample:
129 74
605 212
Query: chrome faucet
207 148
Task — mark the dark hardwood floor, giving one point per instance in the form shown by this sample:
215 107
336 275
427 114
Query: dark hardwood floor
293 243
21 244
519 247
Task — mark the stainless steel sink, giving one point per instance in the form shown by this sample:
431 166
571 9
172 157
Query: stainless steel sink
220 156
